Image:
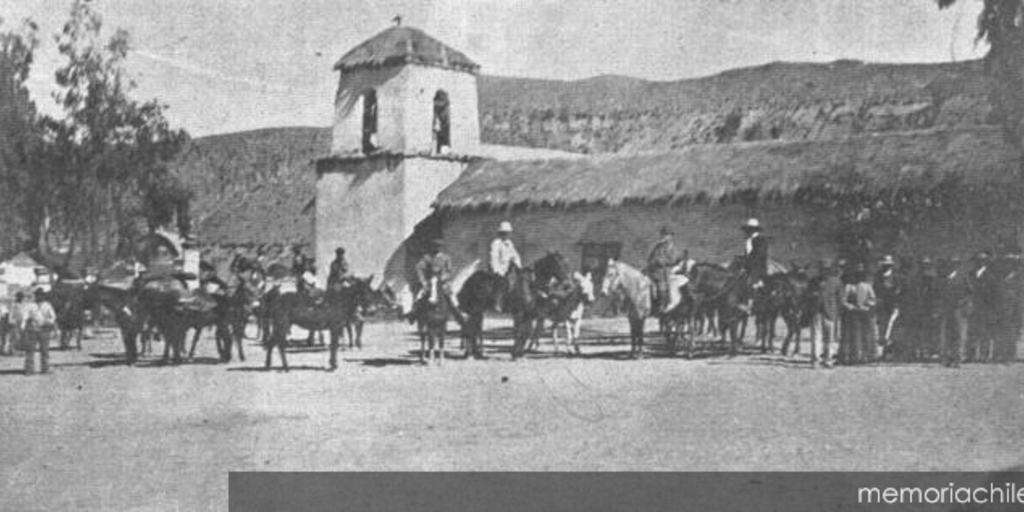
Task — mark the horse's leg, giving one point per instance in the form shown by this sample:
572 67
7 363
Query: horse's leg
536 333
431 343
335 334
128 339
421 329
195 339
796 336
269 347
440 346
240 340
167 350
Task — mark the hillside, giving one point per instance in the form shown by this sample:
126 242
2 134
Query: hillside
257 186
253 186
774 101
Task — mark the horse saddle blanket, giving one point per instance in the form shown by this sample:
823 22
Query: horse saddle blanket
198 301
192 300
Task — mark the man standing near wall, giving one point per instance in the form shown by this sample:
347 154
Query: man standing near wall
825 326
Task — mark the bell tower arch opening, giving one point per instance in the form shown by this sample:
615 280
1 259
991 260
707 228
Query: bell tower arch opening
442 123
370 143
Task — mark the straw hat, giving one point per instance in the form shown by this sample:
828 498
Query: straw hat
752 224
505 227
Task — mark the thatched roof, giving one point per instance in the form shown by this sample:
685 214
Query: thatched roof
919 160
405 45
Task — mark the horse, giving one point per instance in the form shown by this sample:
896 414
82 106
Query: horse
798 305
522 305
68 301
432 314
766 308
128 314
382 298
724 292
476 297
551 268
241 304
566 309
334 312
636 288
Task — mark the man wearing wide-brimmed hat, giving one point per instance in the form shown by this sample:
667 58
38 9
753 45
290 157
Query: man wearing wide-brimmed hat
503 255
756 250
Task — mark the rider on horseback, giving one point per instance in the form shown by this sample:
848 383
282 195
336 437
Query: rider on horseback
338 274
503 255
435 264
756 252
755 257
662 263
303 270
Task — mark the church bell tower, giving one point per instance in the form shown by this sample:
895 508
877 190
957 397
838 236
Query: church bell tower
405 127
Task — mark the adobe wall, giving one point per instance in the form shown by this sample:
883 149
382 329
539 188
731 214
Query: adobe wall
799 233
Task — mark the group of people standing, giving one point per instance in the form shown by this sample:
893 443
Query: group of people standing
28 325
863 305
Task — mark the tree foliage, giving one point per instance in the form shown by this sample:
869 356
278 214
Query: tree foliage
105 167
19 137
1001 25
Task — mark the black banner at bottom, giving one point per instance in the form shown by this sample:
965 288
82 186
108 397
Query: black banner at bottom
632 492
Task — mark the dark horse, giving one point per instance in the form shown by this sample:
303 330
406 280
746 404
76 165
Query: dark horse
724 292
68 301
476 297
479 293
336 311
127 311
241 304
161 299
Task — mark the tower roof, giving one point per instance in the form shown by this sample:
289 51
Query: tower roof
405 45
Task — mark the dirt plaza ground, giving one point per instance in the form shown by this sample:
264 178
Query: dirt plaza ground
97 435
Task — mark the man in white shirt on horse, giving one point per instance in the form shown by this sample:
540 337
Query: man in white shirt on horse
503 256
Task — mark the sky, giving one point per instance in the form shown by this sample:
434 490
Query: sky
230 65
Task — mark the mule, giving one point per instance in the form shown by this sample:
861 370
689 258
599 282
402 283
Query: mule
522 304
336 311
724 292
128 314
565 310
68 301
476 297
432 314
